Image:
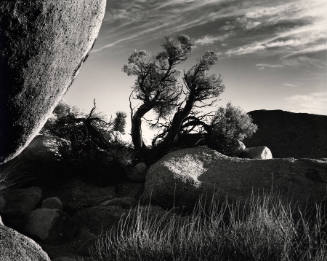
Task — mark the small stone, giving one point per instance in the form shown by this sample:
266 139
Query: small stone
238 149
260 152
52 203
241 145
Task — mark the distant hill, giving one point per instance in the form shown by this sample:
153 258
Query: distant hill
288 134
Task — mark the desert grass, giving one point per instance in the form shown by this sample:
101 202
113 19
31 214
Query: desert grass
260 228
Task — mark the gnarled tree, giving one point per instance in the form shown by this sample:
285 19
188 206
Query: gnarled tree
173 96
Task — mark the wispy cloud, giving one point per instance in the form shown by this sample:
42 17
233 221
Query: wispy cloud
284 29
318 61
306 34
130 20
292 85
209 39
308 50
263 66
131 37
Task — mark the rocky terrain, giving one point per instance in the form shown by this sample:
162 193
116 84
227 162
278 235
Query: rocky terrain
65 216
66 212
57 203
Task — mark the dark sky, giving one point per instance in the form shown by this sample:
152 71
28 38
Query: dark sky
273 53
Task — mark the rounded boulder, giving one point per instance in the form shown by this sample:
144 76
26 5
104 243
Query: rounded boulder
49 225
261 152
43 43
15 246
181 177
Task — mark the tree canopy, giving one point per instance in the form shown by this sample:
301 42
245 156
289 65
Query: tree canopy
173 96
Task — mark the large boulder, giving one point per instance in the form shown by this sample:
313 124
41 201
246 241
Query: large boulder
182 176
14 246
43 43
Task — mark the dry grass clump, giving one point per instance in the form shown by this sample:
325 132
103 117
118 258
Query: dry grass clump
262 228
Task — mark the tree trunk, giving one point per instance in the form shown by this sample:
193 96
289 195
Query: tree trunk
174 129
136 131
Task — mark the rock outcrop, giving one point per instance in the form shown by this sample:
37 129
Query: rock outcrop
182 176
43 43
14 246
